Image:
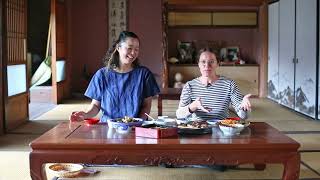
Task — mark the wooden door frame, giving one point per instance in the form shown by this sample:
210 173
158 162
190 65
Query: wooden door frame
53 51
60 90
2 70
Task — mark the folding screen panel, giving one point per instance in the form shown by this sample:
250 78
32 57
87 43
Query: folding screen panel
318 59
306 50
273 51
286 52
295 75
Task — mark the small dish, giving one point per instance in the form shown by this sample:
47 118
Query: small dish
65 170
163 117
91 121
195 127
145 123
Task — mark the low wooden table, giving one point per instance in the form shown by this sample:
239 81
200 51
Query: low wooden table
167 93
258 144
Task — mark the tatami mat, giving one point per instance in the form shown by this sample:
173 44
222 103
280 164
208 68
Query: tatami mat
265 110
16 142
306 125
244 172
36 109
307 141
36 127
16 167
312 160
63 111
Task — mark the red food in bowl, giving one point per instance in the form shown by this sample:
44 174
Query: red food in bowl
91 121
234 118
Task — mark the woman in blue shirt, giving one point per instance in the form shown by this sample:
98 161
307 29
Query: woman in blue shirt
123 87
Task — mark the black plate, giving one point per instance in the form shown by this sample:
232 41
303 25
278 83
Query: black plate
192 131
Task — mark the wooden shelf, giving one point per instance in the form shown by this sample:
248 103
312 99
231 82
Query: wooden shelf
215 19
246 76
220 64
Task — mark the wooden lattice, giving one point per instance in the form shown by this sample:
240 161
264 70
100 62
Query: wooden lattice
16 31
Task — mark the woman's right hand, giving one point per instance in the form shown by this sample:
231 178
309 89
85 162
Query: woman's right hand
77 116
197 105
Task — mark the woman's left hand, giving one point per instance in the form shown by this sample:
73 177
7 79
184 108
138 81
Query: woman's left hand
245 104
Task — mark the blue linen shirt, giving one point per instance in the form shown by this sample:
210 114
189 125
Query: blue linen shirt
121 94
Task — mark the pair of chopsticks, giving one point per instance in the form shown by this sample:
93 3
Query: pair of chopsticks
149 116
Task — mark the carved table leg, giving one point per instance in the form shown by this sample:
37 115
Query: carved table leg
292 168
260 167
36 170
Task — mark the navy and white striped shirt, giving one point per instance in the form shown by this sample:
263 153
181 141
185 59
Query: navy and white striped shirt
217 97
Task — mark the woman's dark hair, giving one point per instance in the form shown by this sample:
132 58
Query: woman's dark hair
111 59
207 49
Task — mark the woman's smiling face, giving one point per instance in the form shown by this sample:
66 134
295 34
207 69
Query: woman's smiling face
128 50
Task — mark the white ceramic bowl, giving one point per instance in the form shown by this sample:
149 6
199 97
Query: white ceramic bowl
65 170
123 128
230 131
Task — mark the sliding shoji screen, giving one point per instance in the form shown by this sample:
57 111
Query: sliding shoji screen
15 35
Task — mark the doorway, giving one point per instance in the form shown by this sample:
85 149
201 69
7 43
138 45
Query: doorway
39 58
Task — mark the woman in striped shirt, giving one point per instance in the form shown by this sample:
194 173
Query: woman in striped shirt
209 96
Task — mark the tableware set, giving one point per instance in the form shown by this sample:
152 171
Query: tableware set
165 121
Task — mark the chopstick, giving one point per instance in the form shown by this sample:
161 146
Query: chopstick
149 116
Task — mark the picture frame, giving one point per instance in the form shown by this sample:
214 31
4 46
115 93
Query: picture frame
232 53
186 52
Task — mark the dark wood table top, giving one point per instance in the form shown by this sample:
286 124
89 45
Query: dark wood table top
258 135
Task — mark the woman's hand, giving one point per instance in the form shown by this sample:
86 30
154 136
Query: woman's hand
197 104
77 116
245 104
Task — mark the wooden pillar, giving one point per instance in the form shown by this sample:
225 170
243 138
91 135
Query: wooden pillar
2 71
263 29
165 72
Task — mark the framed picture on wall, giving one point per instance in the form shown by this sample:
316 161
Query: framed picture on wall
186 52
232 53
117 13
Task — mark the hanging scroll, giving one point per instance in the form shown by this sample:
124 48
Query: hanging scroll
117 19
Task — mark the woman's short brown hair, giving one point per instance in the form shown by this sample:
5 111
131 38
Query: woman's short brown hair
207 49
